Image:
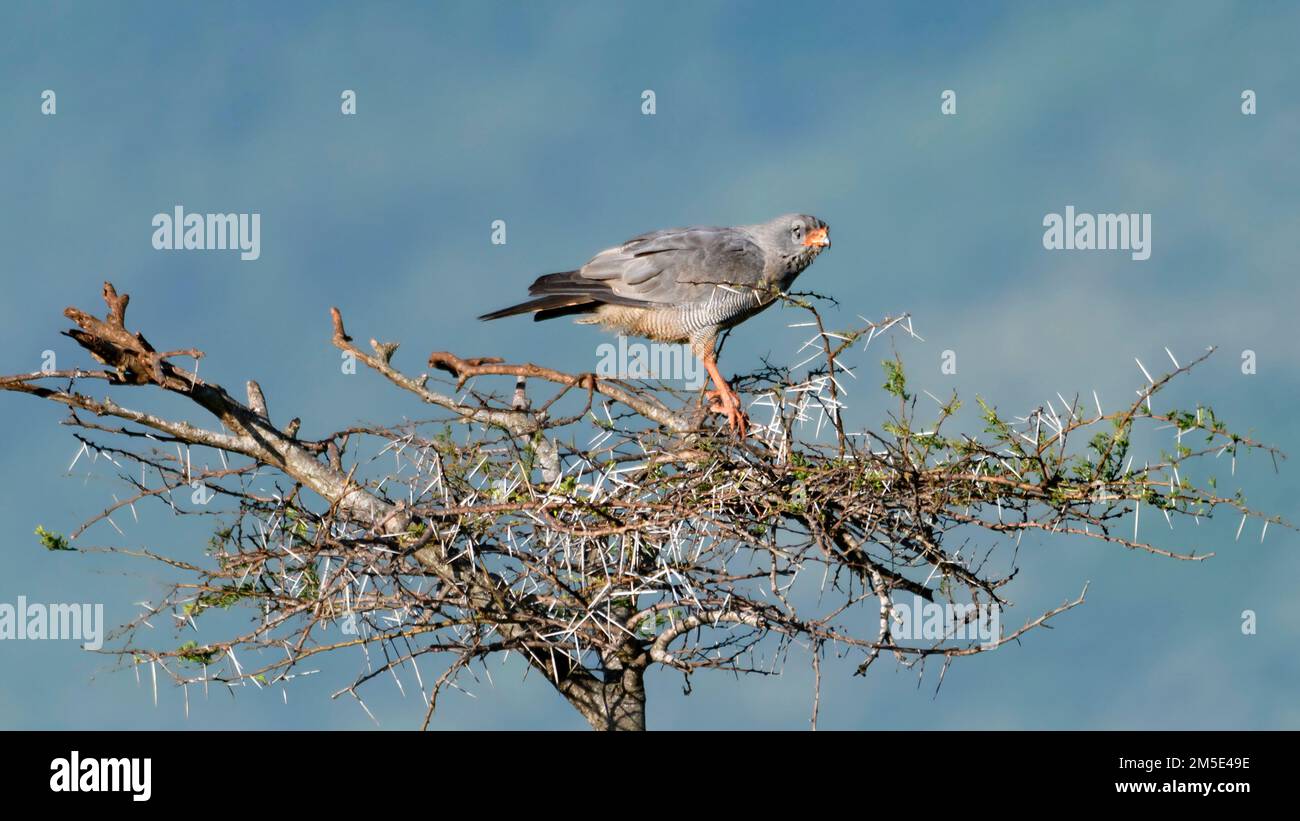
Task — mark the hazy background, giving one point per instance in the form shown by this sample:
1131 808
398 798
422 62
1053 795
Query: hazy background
531 113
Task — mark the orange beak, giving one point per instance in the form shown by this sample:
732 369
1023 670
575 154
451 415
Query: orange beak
817 237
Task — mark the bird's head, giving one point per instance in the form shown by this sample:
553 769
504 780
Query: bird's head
794 240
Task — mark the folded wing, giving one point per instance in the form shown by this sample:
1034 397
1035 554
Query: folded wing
663 268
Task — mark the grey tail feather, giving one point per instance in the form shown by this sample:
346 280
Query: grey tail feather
567 310
564 281
547 307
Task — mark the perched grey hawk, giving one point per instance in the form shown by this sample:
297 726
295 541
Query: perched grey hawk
684 285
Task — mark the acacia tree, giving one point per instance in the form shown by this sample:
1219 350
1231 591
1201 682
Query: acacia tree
604 528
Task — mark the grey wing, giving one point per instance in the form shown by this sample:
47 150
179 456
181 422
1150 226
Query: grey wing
676 265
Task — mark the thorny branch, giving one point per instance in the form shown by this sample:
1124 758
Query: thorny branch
602 527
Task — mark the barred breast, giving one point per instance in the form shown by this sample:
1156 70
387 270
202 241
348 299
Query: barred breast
680 323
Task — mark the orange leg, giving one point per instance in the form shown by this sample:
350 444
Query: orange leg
724 399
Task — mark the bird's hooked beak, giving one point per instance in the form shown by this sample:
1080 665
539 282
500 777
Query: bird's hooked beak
818 238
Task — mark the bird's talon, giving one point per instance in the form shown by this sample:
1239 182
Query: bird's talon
728 405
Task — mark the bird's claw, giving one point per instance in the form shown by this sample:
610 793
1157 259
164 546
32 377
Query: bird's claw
727 403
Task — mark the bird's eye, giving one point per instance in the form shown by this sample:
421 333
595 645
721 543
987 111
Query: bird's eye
797 231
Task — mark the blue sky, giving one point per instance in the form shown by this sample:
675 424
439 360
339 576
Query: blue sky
530 113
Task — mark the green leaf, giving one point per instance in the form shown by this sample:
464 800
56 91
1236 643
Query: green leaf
53 541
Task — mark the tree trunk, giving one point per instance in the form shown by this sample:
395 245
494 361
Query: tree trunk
616 704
